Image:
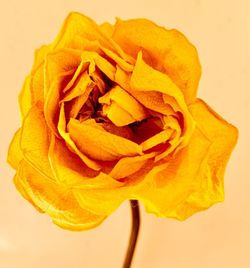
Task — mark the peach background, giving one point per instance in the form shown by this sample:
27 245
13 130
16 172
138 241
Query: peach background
219 237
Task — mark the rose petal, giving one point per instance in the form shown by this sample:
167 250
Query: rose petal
25 97
166 50
107 29
32 90
121 108
98 144
54 95
82 83
144 78
35 140
15 155
54 199
120 61
89 187
172 123
172 182
101 195
59 62
105 66
67 166
78 26
62 130
159 138
193 179
130 165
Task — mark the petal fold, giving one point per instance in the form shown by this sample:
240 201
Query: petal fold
121 108
192 180
98 144
54 199
165 50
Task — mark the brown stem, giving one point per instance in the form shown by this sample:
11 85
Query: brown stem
134 233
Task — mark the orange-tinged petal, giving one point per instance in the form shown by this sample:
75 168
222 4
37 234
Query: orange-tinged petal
92 189
144 78
121 108
82 83
25 97
65 135
58 62
117 114
54 199
101 195
52 101
78 25
153 101
122 78
40 55
166 50
120 61
171 183
101 201
105 66
98 144
222 135
67 166
193 179
130 165
107 29
35 140
15 155
161 137
171 123
32 90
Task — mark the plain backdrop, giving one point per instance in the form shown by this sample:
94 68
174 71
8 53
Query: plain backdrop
218 237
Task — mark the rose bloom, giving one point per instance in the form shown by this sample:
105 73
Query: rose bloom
109 113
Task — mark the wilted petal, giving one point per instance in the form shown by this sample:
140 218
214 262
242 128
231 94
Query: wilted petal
172 182
54 199
130 165
78 26
98 144
193 179
121 108
15 154
65 135
33 88
146 79
165 50
35 140
101 195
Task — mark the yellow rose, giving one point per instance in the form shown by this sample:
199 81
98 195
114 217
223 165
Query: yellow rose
110 113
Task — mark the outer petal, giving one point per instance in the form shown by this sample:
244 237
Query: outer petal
107 29
96 192
33 88
193 179
78 26
35 140
54 199
165 50
15 155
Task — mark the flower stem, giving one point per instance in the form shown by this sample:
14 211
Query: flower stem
134 233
